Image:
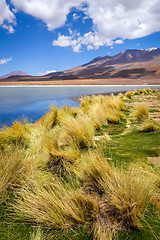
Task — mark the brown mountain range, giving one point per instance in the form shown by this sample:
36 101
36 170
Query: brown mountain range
127 67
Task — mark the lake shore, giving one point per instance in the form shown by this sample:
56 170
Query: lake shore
77 98
111 81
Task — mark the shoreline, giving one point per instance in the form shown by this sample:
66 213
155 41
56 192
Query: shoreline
77 98
80 82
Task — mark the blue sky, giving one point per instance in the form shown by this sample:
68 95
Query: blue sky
37 36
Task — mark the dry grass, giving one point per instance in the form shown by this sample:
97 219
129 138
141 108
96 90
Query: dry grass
128 94
123 196
149 126
37 235
15 135
98 115
78 131
13 170
61 181
53 206
141 112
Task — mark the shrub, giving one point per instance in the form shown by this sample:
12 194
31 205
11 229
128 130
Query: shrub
141 112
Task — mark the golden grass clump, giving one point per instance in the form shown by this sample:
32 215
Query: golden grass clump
149 126
120 95
98 115
37 235
123 197
141 112
78 131
13 169
144 91
53 206
17 134
128 94
49 120
62 162
85 103
149 90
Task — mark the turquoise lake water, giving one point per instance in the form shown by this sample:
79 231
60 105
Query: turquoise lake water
33 102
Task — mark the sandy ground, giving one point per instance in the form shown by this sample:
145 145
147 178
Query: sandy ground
115 81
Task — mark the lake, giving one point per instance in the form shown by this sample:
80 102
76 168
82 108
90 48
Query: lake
32 102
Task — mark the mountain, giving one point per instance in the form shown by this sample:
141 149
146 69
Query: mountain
133 66
14 73
132 63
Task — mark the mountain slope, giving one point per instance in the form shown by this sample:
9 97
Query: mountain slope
126 64
15 73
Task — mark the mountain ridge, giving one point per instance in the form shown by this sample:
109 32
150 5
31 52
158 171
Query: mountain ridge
15 73
133 66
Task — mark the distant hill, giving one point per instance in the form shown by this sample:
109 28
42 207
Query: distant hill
133 66
126 64
15 73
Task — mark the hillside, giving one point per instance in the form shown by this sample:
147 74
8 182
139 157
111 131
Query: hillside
127 67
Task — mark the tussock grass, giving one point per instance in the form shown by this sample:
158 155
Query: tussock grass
53 206
13 170
37 235
121 95
141 112
78 131
123 196
60 180
62 162
49 120
17 134
149 126
128 94
98 115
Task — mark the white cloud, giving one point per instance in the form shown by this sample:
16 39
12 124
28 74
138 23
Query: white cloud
116 19
52 12
7 17
119 41
47 72
75 16
5 60
91 39
66 41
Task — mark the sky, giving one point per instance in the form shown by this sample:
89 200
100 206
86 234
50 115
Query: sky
39 36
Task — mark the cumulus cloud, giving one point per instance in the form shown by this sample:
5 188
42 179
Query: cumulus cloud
116 19
5 60
7 17
119 41
53 13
